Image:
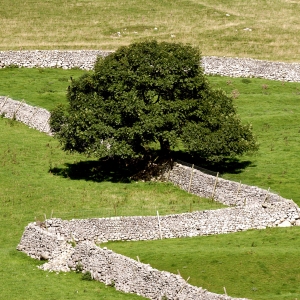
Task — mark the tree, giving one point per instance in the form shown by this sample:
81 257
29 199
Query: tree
145 93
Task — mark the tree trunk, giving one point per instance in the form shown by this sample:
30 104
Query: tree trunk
164 146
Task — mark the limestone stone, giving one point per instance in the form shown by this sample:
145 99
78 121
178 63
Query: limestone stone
285 224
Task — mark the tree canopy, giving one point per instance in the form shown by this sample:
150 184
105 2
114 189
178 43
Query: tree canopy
147 93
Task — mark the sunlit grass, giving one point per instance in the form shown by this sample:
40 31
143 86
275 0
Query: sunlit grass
28 191
272 107
258 264
217 27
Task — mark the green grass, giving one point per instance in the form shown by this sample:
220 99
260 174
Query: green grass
29 191
261 264
216 26
42 87
272 107
20 279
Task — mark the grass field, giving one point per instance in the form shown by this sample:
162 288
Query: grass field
260 264
254 28
254 264
266 260
28 191
270 106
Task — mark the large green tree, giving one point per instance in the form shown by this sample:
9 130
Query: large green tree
145 93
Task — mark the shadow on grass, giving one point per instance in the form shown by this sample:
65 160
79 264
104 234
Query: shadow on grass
97 171
230 165
117 170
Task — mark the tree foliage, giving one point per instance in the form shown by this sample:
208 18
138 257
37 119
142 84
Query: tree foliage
145 93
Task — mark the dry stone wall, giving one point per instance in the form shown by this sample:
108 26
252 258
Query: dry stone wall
124 273
67 244
225 191
197 223
34 117
85 59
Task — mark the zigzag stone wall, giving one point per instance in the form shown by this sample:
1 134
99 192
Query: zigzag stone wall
124 273
52 240
252 207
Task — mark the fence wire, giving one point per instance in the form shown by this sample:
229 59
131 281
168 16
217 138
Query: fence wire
197 167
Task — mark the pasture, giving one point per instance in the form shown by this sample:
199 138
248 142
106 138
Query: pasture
258 29
29 190
254 264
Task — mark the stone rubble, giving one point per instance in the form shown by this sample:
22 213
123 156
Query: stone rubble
85 59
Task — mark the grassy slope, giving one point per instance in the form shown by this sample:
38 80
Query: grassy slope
42 87
271 106
260 264
273 109
216 26
28 191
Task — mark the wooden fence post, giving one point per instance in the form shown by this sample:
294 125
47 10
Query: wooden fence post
215 185
237 193
15 113
5 100
34 112
159 225
267 194
191 177
45 124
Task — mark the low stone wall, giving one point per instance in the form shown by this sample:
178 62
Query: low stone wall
85 59
248 67
124 273
228 192
197 223
68 244
34 117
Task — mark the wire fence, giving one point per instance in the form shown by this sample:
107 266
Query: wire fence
121 211
217 174
206 171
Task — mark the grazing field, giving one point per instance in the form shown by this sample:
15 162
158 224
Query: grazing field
260 264
30 190
254 28
266 261
272 107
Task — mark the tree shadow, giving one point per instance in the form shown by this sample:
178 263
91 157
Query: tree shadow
94 170
110 169
230 165
120 170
